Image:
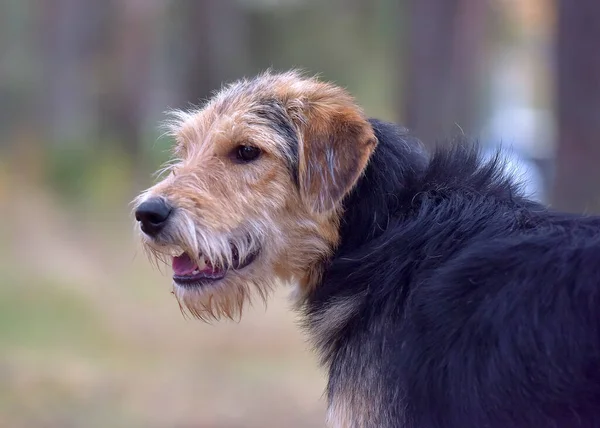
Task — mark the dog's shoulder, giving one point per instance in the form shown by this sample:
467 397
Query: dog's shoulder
460 166
457 165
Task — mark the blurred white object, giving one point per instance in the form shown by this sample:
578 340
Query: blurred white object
525 171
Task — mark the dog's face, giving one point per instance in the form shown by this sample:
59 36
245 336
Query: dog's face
254 192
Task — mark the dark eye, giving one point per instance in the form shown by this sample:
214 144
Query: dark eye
247 153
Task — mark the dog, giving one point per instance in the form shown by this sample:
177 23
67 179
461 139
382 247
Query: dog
435 292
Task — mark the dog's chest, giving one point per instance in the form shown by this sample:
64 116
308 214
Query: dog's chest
360 409
339 414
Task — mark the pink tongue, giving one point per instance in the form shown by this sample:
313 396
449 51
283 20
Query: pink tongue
183 265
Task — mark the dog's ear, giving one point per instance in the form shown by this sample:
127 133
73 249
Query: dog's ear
336 142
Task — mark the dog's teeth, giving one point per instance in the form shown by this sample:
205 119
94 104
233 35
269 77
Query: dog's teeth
196 272
202 263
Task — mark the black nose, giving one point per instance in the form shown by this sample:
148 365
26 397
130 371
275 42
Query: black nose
152 215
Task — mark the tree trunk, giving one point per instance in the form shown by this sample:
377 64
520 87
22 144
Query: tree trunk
137 25
577 182
67 44
214 35
445 43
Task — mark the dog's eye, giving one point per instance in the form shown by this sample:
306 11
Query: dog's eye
247 153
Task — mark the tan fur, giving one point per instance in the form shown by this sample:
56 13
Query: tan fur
346 411
353 404
335 315
342 409
257 205
339 415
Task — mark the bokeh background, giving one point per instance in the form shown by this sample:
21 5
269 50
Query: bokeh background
89 333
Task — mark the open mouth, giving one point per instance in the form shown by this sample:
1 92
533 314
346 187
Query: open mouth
188 273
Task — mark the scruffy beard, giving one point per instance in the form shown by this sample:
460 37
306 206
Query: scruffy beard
225 298
240 256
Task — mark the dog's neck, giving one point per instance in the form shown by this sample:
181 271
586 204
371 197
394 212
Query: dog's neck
398 161
377 199
372 206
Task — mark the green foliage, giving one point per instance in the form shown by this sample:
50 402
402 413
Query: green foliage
67 169
89 173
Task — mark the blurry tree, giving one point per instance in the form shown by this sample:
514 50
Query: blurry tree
577 183
212 42
446 41
135 38
69 38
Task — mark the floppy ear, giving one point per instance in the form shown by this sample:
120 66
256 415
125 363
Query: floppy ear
336 142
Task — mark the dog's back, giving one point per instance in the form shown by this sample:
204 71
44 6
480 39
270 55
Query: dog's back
454 301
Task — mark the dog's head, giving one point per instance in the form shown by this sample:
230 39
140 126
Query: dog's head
253 195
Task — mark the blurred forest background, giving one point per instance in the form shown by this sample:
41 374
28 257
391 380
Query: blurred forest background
89 334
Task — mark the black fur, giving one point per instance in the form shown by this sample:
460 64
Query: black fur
476 307
277 118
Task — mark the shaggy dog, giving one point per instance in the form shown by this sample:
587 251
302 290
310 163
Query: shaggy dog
435 292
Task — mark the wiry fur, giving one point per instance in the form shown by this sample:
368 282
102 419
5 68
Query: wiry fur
472 306
277 205
436 293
